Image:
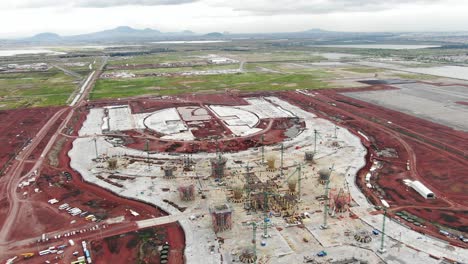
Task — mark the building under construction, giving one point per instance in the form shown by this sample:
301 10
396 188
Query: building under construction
169 171
271 164
187 193
339 201
218 166
324 175
309 156
222 217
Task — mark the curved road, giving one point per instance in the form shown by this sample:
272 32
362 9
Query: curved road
13 176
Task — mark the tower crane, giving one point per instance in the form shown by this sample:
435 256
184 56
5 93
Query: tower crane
325 209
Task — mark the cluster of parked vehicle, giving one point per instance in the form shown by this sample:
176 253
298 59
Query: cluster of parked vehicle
74 211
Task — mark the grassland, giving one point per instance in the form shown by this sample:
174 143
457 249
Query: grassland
35 89
253 56
156 58
120 88
275 55
290 68
363 69
182 69
410 76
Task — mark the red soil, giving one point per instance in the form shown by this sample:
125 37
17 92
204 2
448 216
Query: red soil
272 135
53 184
17 127
125 248
40 147
462 103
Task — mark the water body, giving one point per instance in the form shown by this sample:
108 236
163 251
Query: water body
457 72
336 56
448 71
190 42
6 53
378 46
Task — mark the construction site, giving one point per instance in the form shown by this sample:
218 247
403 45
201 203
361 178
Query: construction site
371 174
264 177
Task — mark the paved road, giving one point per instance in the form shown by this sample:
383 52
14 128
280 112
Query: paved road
67 71
14 175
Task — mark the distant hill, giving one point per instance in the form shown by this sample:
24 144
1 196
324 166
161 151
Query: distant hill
119 34
214 35
126 34
45 37
316 31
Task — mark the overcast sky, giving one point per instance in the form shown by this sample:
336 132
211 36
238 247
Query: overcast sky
67 17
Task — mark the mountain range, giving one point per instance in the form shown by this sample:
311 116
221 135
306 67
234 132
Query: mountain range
132 35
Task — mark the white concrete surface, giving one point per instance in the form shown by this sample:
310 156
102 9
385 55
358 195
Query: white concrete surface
120 118
240 122
348 159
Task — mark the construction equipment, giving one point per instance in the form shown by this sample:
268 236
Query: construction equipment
27 255
316 134
147 153
254 240
336 128
95 146
265 215
298 170
247 204
265 211
282 154
325 204
263 149
382 249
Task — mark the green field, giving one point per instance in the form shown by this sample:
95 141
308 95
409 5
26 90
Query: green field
35 89
156 58
363 69
290 68
181 69
411 76
120 88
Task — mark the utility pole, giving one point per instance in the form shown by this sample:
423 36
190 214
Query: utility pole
336 128
254 240
95 146
325 208
282 154
299 176
147 153
265 214
316 133
247 178
382 249
263 150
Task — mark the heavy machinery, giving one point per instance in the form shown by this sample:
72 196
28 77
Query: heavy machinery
27 255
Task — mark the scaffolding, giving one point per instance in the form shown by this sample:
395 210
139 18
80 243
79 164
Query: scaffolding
221 216
237 194
309 156
187 193
271 164
324 175
169 171
188 162
218 166
339 201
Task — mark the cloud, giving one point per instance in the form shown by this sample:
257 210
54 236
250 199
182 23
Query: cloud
111 3
88 3
274 7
